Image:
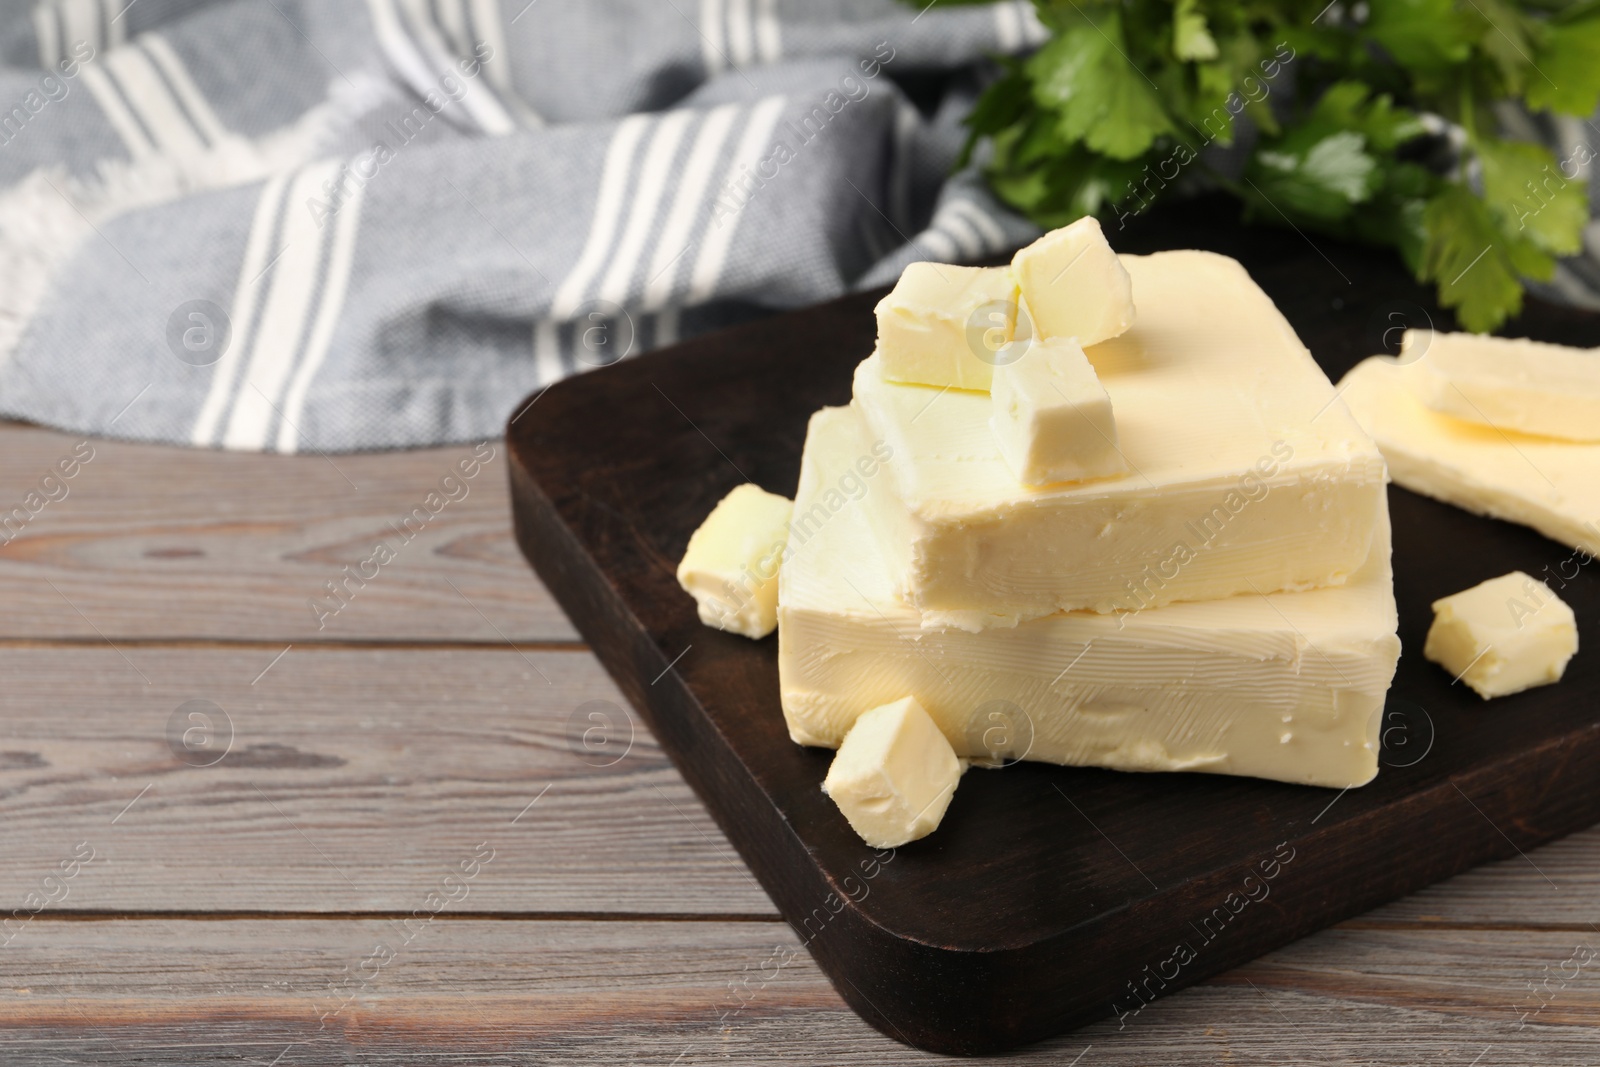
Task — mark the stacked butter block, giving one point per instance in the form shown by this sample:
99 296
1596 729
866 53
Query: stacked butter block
1094 510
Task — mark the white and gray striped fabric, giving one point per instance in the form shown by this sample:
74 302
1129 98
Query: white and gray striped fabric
333 225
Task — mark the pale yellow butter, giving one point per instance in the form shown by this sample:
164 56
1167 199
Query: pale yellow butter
894 774
1503 636
1073 285
1052 417
732 562
1246 474
1288 686
1548 484
1507 383
944 325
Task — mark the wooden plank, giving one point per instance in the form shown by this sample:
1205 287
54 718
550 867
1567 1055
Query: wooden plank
452 989
1079 868
390 758
426 747
353 780
1554 886
151 542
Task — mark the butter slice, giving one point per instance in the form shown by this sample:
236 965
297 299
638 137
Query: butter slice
1503 636
894 774
1052 417
732 562
1548 484
1288 686
1507 383
1246 473
1074 286
945 325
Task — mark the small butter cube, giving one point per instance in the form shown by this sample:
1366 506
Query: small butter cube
1052 417
731 564
947 326
1506 383
1074 286
1506 635
894 774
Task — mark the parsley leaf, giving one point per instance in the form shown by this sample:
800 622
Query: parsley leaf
1530 198
1191 39
1350 105
1324 181
1430 36
1466 256
1098 96
1508 38
1116 110
1567 78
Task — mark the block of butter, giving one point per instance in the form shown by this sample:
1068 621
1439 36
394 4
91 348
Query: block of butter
1503 636
731 564
1548 484
894 774
1288 686
1052 418
947 326
1073 285
1508 383
1245 474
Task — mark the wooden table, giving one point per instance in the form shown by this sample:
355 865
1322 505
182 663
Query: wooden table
420 833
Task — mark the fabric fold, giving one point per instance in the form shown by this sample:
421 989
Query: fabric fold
337 225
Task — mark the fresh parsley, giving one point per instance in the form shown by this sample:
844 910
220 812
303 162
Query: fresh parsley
1350 104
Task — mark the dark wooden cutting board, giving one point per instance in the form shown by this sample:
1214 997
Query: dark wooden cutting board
1050 896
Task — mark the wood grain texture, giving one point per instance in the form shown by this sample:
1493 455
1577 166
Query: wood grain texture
393 761
152 542
1556 886
1088 879
452 990
353 780
613 924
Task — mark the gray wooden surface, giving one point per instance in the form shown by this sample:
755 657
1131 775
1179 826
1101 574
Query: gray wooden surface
387 841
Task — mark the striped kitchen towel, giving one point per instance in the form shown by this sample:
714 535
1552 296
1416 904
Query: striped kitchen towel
330 225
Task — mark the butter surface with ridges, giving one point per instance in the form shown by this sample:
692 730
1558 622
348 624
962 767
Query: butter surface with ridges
1246 473
1548 484
937 320
1503 636
1288 686
1507 383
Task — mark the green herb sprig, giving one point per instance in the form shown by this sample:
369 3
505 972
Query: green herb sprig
1116 109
